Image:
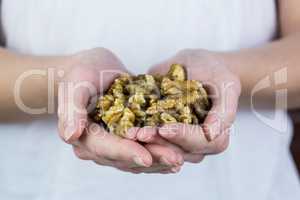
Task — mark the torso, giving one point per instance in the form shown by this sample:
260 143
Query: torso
141 33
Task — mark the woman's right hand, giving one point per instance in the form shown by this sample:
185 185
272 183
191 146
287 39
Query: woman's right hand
87 74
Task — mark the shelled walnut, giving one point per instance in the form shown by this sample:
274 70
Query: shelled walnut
146 100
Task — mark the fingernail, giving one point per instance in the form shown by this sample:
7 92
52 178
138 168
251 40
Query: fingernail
69 132
139 161
165 161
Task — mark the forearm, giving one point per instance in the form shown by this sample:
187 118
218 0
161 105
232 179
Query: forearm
34 88
253 65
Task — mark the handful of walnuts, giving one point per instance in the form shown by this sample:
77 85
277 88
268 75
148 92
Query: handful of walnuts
146 100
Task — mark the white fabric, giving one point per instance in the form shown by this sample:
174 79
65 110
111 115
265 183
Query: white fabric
35 164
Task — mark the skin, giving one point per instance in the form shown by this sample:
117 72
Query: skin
167 147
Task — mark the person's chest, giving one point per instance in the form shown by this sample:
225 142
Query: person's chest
140 32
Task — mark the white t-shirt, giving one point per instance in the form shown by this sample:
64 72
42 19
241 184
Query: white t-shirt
36 164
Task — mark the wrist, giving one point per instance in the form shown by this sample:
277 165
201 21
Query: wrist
28 78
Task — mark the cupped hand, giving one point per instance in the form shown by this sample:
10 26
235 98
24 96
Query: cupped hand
224 89
88 74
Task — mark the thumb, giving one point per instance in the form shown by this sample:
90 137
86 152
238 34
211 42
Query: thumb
72 113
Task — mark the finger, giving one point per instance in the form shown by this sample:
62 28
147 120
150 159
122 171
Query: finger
219 144
117 166
147 134
85 155
170 171
223 112
193 158
189 137
155 139
72 111
155 168
176 169
132 133
167 171
188 157
82 154
164 155
112 147
144 134
173 170
133 171
166 146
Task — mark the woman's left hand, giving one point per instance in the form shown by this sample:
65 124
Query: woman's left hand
224 89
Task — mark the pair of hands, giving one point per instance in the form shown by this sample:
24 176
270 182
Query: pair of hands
149 149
